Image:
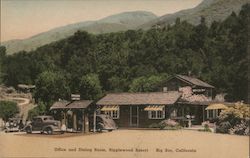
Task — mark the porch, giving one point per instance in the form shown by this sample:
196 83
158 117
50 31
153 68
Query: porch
73 115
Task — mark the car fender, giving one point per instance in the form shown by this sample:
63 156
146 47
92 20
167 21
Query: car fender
24 128
50 126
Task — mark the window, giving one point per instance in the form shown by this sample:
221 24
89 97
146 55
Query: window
213 113
210 113
113 114
156 114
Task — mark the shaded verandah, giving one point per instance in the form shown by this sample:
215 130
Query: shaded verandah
74 114
197 111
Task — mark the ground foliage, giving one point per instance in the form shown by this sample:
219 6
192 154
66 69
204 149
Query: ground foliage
8 109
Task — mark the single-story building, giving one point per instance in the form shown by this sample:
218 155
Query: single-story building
74 114
138 109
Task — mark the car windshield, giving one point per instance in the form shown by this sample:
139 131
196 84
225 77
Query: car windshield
48 118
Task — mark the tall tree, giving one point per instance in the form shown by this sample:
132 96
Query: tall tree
2 59
51 86
90 87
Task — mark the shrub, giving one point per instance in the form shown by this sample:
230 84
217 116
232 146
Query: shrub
223 127
8 109
154 125
169 124
234 120
240 129
166 124
38 110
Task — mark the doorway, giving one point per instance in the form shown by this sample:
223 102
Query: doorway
134 116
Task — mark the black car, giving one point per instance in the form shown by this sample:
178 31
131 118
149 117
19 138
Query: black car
44 124
13 125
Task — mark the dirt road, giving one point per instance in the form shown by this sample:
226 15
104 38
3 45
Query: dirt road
127 144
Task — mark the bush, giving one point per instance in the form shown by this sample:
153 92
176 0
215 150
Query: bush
8 109
223 127
207 125
154 125
38 110
169 125
234 120
240 129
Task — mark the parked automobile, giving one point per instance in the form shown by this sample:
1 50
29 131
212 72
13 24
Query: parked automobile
44 124
103 122
13 125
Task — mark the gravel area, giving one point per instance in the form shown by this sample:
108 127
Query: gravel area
126 144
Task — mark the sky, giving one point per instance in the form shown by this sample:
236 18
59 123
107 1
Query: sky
21 19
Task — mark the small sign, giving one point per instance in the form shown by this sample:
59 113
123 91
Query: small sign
198 90
75 96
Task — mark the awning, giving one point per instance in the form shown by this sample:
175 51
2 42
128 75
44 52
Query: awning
216 106
110 108
154 108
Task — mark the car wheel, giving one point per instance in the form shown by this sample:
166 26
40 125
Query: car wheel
110 130
49 130
28 130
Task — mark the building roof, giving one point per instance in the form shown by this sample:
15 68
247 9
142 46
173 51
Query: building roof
152 98
24 86
229 104
216 106
81 104
194 81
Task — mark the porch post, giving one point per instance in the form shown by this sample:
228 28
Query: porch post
94 121
83 121
64 117
74 121
86 122
182 109
203 113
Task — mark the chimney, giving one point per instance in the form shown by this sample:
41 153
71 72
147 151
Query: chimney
165 89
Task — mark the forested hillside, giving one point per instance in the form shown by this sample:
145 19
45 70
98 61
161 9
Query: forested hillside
137 60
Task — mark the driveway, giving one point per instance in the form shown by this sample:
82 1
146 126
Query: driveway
126 144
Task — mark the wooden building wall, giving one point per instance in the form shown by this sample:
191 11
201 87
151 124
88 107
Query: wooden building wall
144 121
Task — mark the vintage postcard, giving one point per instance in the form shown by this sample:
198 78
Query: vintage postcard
124 78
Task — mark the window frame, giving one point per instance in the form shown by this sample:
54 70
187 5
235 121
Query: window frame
156 114
111 113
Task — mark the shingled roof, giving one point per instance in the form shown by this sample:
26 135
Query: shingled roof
152 98
194 81
81 104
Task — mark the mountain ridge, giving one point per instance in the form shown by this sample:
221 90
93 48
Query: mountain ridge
212 10
113 23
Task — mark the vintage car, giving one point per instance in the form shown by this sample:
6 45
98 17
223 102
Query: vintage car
13 125
44 124
103 122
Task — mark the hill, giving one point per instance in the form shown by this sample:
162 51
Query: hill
212 10
113 23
